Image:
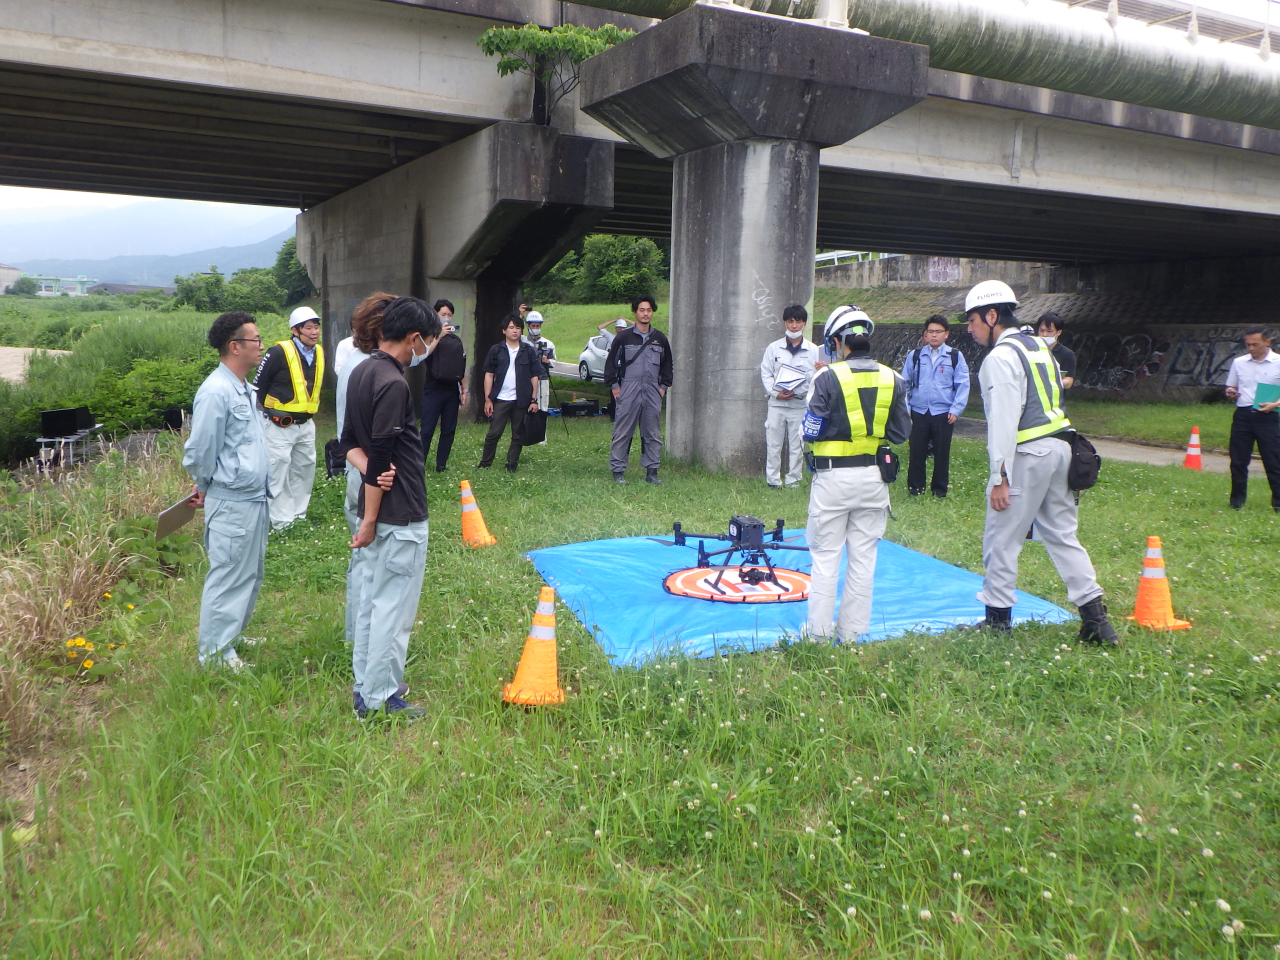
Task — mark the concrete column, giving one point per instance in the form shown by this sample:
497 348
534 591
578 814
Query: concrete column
471 222
746 211
743 102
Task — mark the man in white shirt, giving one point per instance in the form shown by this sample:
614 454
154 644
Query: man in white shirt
786 373
510 391
1029 454
1261 423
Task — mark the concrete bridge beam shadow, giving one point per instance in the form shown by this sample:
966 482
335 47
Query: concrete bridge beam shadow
470 223
743 102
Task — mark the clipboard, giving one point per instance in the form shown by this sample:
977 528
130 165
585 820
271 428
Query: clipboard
789 378
1265 393
170 520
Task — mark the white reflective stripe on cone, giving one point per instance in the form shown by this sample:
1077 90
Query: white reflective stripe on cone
1154 554
542 633
547 609
1157 572
468 507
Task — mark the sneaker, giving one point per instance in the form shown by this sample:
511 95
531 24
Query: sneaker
398 707
651 476
232 663
357 701
775 486
620 477
511 468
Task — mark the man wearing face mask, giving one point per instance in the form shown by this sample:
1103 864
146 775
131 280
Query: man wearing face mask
1049 329
288 388
546 351
786 371
381 422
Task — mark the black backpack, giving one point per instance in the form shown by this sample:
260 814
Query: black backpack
449 365
1085 463
915 365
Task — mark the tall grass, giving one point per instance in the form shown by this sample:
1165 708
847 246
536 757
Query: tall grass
61 550
931 796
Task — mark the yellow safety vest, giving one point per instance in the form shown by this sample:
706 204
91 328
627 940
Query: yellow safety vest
1042 413
301 402
865 437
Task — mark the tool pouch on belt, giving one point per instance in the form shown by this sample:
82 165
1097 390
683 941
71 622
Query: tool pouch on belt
282 419
887 461
1085 463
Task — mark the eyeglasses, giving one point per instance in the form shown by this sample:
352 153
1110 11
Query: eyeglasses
257 340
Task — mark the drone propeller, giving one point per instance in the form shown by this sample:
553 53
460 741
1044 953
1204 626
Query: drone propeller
665 543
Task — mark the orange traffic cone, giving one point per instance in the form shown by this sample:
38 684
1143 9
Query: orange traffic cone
537 679
1154 608
1192 459
474 531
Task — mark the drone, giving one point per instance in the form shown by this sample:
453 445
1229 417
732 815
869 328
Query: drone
746 536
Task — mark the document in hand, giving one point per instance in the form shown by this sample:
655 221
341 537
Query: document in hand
1265 393
173 518
788 378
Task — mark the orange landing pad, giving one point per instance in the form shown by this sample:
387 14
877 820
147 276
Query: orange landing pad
696 582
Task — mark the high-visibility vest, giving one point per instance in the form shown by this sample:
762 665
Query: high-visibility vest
864 437
1042 413
302 402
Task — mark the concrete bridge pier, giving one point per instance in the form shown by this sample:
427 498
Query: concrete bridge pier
743 102
470 223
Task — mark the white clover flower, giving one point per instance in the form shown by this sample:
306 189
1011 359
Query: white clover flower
955 875
926 916
1022 813
1022 870
547 834
945 818
1048 895
599 834
1223 905
808 830
1228 931
852 911
1174 831
1206 852
964 852
1238 925
707 835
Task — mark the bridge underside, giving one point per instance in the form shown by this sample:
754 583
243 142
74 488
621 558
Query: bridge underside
81 131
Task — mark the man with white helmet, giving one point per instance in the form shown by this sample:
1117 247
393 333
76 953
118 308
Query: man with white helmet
855 407
546 351
288 387
1029 449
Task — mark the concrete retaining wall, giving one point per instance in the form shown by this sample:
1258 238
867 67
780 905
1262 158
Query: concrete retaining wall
922 272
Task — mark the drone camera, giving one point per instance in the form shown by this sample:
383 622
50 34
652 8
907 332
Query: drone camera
747 531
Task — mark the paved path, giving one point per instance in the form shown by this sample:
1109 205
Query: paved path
13 362
1127 452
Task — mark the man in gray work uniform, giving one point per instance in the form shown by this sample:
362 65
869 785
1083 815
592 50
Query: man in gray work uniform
1029 449
638 371
226 455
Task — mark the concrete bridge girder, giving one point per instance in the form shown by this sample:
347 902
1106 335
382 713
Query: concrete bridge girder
469 223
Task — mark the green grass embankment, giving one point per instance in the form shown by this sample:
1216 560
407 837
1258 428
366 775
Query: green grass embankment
957 796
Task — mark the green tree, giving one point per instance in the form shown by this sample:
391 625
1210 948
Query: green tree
205 292
552 57
615 269
254 290
22 287
291 275
559 285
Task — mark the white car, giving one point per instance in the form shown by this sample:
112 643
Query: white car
592 359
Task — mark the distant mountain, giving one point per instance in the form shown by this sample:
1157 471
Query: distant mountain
160 270
165 227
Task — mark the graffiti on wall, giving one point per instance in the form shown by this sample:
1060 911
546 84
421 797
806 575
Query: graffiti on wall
944 270
1113 361
1202 360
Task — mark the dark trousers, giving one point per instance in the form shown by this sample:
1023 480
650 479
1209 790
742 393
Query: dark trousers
1248 427
926 427
439 406
504 410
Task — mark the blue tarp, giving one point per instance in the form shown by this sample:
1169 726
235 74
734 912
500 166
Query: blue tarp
614 587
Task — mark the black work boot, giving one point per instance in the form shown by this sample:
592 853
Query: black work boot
999 619
619 477
651 476
1094 625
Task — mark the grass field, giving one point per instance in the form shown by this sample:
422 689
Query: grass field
932 796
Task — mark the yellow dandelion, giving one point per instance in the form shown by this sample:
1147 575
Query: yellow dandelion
67 605
107 595
111 646
71 643
80 641
129 605
88 664
88 646
72 654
